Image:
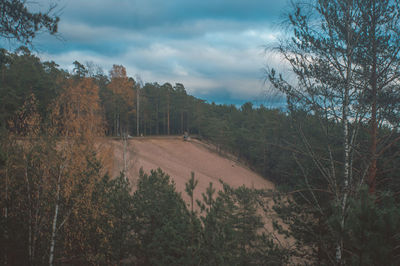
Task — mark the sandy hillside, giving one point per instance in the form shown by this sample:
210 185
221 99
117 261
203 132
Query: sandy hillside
179 158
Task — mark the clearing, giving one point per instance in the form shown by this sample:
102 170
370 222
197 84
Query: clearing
178 159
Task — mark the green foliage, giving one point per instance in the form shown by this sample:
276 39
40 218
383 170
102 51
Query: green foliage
345 60
161 222
19 23
23 74
373 230
233 230
255 135
153 225
111 240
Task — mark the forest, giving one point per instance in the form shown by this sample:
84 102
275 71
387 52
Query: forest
333 154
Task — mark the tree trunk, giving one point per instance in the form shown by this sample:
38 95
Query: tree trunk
54 228
28 192
373 122
168 130
346 138
36 225
157 122
182 122
164 121
118 126
115 124
137 113
6 212
125 155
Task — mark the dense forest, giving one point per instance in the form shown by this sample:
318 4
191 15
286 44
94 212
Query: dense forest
333 154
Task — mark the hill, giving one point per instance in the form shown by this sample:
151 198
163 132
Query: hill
179 158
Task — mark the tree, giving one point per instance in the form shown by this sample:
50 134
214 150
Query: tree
22 74
373 230
195 226
77 111
122 98
233 229
30 171
379 56
332 52
79 70
161 222
20 24
181 105
76 116
167 89
119 208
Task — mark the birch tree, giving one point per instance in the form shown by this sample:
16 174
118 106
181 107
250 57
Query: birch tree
28 186
77 118
344 60
321 55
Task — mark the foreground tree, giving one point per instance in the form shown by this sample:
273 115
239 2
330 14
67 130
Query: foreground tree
162 223
28 175
379 57
334 53
77 118
19 23
233 229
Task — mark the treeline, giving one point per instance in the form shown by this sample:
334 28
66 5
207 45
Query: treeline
163 109
130 108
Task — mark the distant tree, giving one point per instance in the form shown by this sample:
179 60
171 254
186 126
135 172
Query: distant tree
79 70
77 111
152 107
168 90
22 74
122 98
180 98
19 23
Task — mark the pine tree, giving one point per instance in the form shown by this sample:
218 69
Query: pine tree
334 53
161 224
233 229
21 24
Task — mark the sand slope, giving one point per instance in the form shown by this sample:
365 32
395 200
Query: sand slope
179 158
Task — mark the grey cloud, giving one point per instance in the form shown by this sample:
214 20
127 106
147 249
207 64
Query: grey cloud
142 14
213 47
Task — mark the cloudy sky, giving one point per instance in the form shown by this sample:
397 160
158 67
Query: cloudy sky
214 47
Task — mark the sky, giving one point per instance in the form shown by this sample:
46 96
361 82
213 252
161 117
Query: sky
216 48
